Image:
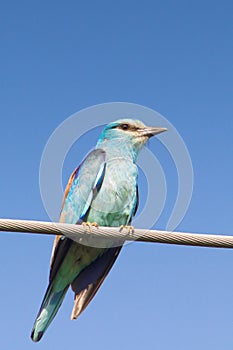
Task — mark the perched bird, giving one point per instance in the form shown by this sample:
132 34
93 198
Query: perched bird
102 190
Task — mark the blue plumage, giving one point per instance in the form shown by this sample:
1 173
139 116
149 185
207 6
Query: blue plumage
102 189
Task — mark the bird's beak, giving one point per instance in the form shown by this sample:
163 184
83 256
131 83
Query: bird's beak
151 131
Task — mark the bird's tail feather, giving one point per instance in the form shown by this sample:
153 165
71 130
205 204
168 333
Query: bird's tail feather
49 307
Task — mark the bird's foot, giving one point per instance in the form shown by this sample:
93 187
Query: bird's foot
128 228
89 225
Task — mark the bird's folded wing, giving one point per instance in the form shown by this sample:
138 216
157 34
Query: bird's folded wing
82 187
90 279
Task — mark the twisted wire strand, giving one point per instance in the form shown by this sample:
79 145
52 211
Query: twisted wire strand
77 233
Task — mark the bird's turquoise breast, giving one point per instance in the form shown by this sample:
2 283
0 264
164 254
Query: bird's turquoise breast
116 200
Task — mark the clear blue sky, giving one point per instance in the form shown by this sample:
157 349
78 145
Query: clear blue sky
172 56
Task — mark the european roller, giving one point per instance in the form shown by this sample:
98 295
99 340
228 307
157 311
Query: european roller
102 190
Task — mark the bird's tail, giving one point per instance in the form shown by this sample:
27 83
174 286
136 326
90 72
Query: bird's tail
49 307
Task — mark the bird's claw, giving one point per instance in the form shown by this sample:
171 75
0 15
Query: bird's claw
89 225
128 228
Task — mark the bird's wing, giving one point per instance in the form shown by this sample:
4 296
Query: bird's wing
81 189
90 279
136 204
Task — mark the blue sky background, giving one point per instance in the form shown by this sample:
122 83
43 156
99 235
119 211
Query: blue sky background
174 57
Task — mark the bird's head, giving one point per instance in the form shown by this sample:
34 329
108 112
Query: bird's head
128 134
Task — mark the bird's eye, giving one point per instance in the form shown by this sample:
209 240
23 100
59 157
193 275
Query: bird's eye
124 126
